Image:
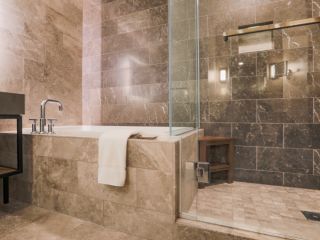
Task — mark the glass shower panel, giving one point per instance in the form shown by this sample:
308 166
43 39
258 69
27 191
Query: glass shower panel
183 66
184 94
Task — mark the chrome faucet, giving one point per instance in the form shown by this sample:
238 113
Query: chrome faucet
43 120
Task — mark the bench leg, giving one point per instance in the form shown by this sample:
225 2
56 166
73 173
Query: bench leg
5 190
231 162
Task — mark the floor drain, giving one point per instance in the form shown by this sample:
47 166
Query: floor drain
313 216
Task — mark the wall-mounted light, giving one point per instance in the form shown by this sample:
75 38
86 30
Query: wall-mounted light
241 63
276 70
223 75
272 71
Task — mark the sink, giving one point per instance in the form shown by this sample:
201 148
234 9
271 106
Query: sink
12 103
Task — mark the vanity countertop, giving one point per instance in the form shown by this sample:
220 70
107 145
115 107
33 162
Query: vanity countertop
12 103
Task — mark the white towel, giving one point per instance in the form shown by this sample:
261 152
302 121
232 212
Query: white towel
113 155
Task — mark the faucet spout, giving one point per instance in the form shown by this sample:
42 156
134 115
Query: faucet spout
43 106
43 112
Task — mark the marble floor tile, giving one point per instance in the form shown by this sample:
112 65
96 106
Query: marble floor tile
24 222
272 210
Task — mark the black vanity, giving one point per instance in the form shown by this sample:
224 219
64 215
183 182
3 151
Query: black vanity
12 106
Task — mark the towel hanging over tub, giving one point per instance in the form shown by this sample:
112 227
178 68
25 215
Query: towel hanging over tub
113 155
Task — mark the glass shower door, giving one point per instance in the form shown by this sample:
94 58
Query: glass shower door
184 95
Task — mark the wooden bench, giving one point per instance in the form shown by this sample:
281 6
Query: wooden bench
205 142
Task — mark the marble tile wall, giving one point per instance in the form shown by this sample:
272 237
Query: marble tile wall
125 62
274 119
40 49
60 174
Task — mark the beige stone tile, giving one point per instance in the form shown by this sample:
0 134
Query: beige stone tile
61 174
8 223
23 210
96 232
16 215
43 196
53 227
30 32
156 191
84 231
42 146
189 145
87 208
190 233
151 155
69 149
83 207
87 177
138 222
88 185
39 167
270 210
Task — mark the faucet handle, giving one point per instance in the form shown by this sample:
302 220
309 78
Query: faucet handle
51 125
33 125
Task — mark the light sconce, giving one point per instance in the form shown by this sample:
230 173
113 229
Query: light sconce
223 75
272 71
277 70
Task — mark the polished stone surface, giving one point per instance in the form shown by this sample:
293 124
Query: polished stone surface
252 134
41 55
125 68
190 230
273 116
265 209
22 221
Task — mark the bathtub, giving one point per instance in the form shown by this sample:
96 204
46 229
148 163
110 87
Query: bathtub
96 131
61 172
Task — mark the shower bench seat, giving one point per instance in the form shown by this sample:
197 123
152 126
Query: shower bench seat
207 141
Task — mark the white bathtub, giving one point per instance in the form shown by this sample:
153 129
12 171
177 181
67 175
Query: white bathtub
96 131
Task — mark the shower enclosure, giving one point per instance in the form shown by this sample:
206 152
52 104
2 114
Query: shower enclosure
263 90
